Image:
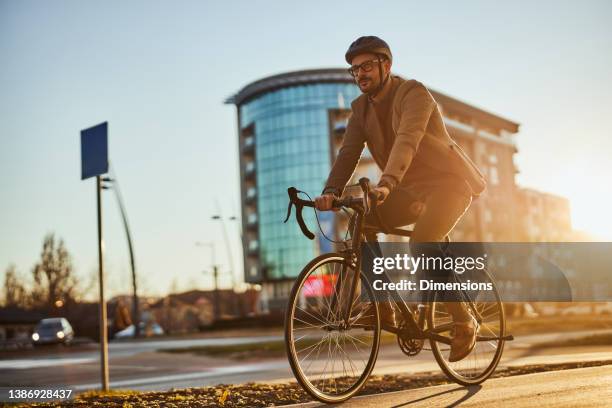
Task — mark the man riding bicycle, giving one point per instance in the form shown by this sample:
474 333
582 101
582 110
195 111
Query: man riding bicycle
427 179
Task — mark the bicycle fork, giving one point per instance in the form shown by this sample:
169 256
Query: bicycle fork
346 288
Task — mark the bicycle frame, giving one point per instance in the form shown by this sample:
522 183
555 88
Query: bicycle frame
412 328
359 231
353 260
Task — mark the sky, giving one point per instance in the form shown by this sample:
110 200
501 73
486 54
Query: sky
159 73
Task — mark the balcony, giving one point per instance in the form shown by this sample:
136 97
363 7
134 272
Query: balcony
339 130
248 147
253 248
459 125
249 170
251 195
252 222
249 166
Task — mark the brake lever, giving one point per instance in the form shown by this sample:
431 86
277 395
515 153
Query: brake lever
302 224
364 183
292 191
288 211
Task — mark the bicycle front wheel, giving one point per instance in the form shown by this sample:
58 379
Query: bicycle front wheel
331 359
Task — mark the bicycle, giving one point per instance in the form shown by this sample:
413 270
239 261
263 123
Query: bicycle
322 325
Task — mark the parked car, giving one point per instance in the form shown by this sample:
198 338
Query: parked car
152 329
577 310
55 330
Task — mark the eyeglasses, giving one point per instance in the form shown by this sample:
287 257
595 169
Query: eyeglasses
365 66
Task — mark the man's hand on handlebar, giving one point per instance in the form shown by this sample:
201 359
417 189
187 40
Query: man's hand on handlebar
325 202
381 193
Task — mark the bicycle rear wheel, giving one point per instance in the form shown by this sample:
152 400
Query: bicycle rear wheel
330 359
482 361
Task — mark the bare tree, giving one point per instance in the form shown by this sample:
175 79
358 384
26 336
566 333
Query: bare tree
54 281
15 293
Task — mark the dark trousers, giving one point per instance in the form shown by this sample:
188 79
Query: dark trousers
443 209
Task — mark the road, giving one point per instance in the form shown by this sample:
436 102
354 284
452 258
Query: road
581 387
65 357
137 365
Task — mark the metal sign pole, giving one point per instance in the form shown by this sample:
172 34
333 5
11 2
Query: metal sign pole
94 162
103 324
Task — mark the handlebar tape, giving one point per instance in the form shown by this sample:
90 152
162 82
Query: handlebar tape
294 200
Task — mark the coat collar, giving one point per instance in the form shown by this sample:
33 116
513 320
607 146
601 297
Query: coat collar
386 92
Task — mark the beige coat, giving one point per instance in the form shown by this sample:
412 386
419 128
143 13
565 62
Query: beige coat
420 134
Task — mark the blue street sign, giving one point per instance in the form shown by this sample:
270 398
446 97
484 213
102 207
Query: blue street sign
94 151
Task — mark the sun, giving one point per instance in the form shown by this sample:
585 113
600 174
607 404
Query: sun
589 213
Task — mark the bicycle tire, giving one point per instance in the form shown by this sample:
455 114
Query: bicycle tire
451 369
292 354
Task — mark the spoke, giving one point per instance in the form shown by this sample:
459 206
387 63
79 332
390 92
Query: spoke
329 357
359 340
353 368
305 335
323 373
311 346
310 314
339 348
338 300
357 348
316 358
312 290
333 357
485 308
490 331
321 298
323 295
308 328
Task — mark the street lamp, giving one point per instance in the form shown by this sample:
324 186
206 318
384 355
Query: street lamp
114 185
215 272
228 247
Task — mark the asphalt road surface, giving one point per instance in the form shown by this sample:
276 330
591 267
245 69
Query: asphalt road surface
581 387
137 365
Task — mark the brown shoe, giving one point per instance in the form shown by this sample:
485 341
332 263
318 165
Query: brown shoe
368 318
464 340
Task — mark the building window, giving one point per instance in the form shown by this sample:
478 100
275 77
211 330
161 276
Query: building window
493 176
253 270
487 215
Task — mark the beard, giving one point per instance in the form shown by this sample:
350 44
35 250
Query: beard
366 84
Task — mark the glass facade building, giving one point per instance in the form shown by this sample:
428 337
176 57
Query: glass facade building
284 139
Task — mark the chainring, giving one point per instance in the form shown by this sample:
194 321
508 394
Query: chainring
409 345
